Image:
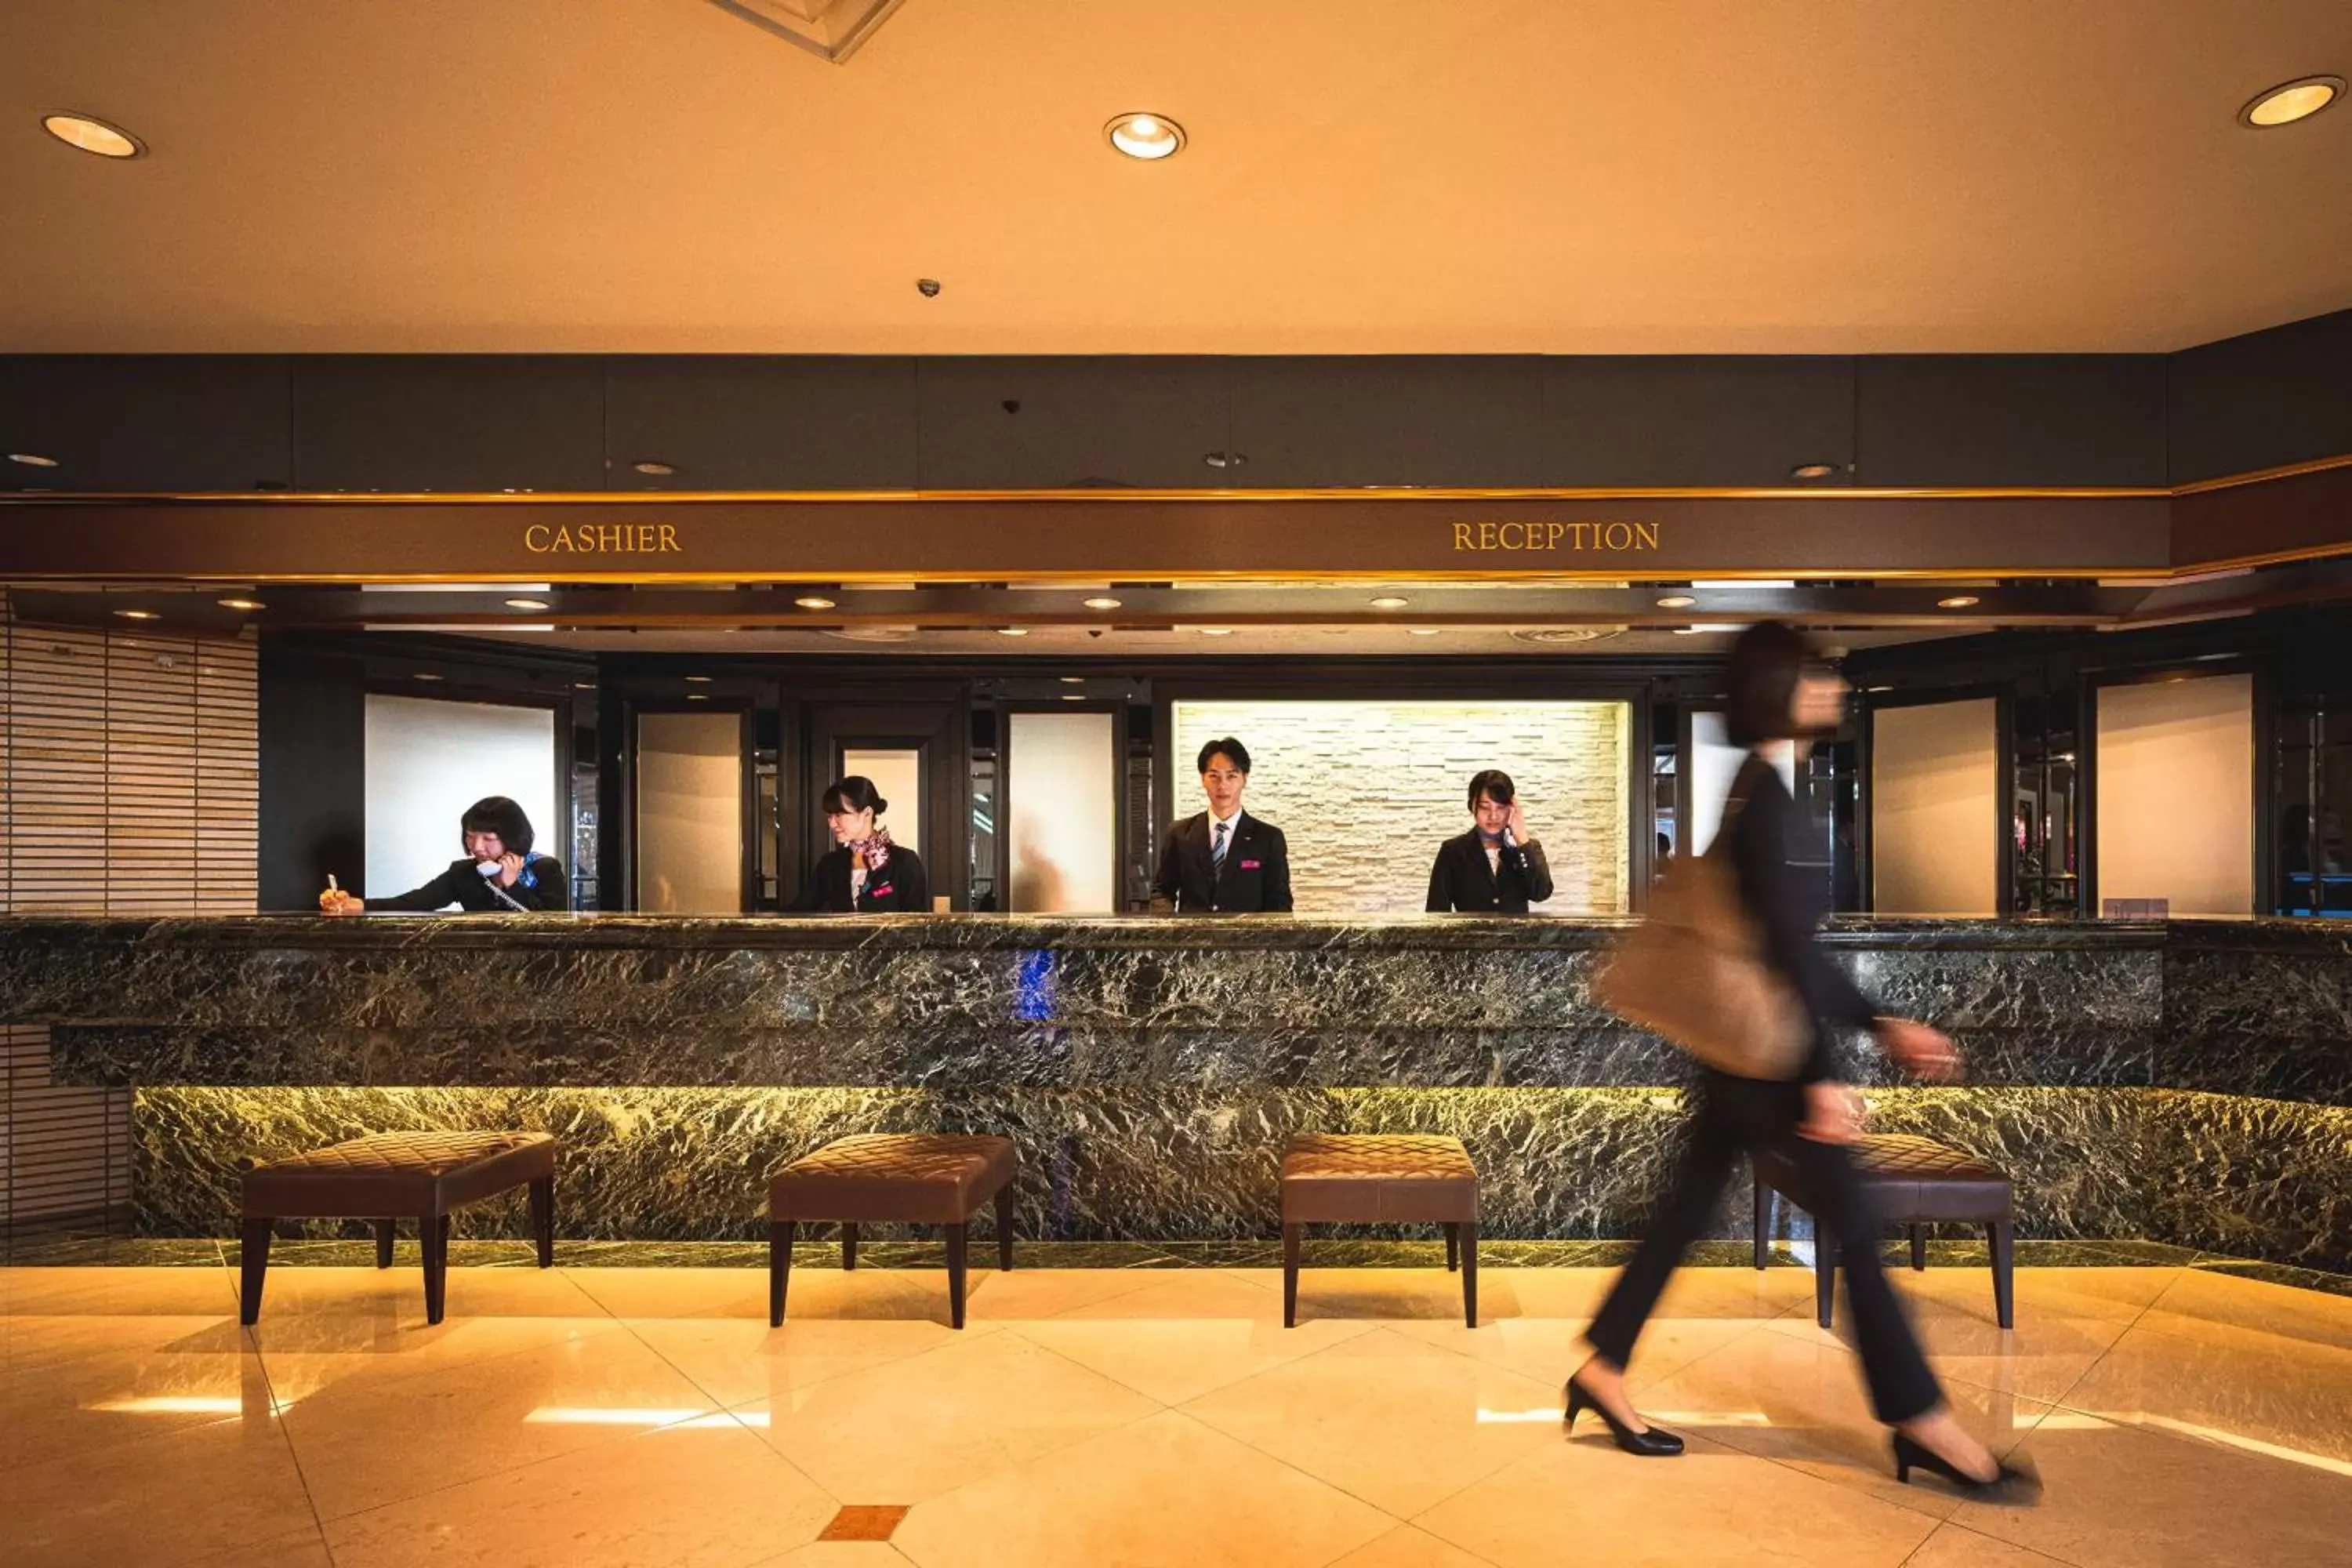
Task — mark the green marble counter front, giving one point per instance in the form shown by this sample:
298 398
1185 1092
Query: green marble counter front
2175 1081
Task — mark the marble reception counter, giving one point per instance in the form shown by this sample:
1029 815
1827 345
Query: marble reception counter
2183 1081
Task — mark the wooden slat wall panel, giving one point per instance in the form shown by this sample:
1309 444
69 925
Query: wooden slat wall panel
130 784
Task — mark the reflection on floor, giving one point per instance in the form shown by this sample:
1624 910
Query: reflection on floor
1158 1413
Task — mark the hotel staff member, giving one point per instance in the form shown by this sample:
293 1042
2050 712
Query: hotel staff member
501 872
1223 861
865 874
1494 869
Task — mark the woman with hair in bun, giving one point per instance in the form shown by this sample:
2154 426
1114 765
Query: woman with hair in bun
499 872
865 874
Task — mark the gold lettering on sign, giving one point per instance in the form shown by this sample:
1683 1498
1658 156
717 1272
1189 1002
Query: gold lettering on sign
1549 538
601 539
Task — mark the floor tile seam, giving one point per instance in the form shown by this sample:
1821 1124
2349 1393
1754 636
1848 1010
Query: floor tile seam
2058 1397
277 1419
1013 1329
1415 1525
1148 1278
407 1499
363 1395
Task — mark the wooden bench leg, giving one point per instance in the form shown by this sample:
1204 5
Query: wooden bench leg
1824 1272
849 1244
384 1243
542 1219
1763 1221
779 1268
433 1230
958 1237
1453 1247
1289 1276
2004 1282
1468 1231
1918 1249
1004 1227
253 1263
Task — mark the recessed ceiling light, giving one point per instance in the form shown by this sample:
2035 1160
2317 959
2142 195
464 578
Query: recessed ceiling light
1957 602
1705 626
1390 602
1013 631
1073 697
1073 680
139 614
1813 470
654 467
526 604
1424 631
1102 601
813 602
584 686
699 679
696 697
1224 459
241 603
426 675
92 135
32 459
1676 602
2290 101
1150 137
1216 631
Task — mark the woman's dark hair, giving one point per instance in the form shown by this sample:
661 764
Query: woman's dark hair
1762 678
1494 782
1232 748
497 814
855 793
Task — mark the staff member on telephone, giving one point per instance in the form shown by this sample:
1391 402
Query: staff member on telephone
1223 861
1494 869
501 872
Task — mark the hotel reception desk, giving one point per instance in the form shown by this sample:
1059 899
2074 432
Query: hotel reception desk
2180 1082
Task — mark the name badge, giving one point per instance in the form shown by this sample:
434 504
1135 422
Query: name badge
1249 865
880 892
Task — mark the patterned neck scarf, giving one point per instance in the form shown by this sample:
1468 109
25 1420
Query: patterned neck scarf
876 849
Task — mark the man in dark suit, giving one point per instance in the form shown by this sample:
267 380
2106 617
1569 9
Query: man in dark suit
1494 869
1223 861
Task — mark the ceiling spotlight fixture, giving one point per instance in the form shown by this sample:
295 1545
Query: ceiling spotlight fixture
584 686
1224 460
247 604
696 697
1957 602
813 602
91 134
1216 631
2291 100
526 604
1148 137
1102 601
1073 680
1390 602
654 465
1704 627
1013 631
139 614
1425 631
1813 470
1073 697
1676 602
699 679
426 675
33 459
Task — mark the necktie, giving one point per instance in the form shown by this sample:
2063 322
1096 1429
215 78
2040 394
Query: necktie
1217 850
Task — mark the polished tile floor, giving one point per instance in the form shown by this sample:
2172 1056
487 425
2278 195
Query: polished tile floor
594 1415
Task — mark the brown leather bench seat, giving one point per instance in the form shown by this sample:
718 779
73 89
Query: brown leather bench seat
1380 1178
391 1174
1914 1182
911 1178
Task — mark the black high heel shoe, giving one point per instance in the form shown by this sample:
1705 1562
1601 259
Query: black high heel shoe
2009 1484
1650 1445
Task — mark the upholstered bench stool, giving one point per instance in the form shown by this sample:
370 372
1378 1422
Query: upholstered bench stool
1912 1182
913 1178
391 1174
1380 1178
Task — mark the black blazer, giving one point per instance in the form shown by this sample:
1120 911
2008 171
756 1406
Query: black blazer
1256 875
541 887
1788 902
1461 880
901 887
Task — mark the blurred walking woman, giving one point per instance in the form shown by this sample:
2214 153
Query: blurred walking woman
865 874
1779 696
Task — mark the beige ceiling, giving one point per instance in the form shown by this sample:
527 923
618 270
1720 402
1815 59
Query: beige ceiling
1364 177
